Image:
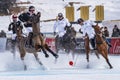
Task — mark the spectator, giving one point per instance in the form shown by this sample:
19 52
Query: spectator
2 34
106 32
115 32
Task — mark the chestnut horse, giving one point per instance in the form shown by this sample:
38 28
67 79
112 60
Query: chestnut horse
39 42
101 44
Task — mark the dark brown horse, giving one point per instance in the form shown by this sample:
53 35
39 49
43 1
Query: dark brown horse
39 42
101 44
67 42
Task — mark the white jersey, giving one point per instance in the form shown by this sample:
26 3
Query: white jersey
87 28
59 26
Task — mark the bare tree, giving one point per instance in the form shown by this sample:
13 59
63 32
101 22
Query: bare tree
6 5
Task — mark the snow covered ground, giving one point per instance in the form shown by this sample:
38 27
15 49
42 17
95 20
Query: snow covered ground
12 69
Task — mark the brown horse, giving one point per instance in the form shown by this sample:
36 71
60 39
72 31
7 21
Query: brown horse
37 40
21 41
101 44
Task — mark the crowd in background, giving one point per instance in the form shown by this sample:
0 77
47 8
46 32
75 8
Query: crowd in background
2 33
115 32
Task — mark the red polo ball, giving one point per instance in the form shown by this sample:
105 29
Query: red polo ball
71 63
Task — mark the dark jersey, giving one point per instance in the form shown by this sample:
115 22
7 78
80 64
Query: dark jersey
25 17
13 26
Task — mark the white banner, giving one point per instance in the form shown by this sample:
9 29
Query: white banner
3 44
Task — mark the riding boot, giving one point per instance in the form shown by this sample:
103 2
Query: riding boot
61 41
92 41
108 43
30 42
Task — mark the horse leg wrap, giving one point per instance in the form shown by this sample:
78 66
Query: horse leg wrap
54 54
46 55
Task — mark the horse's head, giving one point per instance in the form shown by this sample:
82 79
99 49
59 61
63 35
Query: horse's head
35 18
97 29
99 38
70 34
18 31
68 29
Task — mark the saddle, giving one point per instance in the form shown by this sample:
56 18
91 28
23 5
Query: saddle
66 38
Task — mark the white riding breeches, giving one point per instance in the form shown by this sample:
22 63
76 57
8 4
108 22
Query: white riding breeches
28 30
13 36
61 34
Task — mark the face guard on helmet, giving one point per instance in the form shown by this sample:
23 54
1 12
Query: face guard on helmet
80 20
60 16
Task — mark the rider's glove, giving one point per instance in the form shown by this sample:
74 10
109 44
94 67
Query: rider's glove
25 23
80 31
9 29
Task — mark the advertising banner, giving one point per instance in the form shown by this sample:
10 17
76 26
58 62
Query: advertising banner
115 49
51 43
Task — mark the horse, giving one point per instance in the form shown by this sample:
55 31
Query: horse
38 38
39 42
67 42
101 44
21 41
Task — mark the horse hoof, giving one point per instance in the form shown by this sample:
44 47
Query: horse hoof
111 67
46 55
56 56
87 60
25 68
